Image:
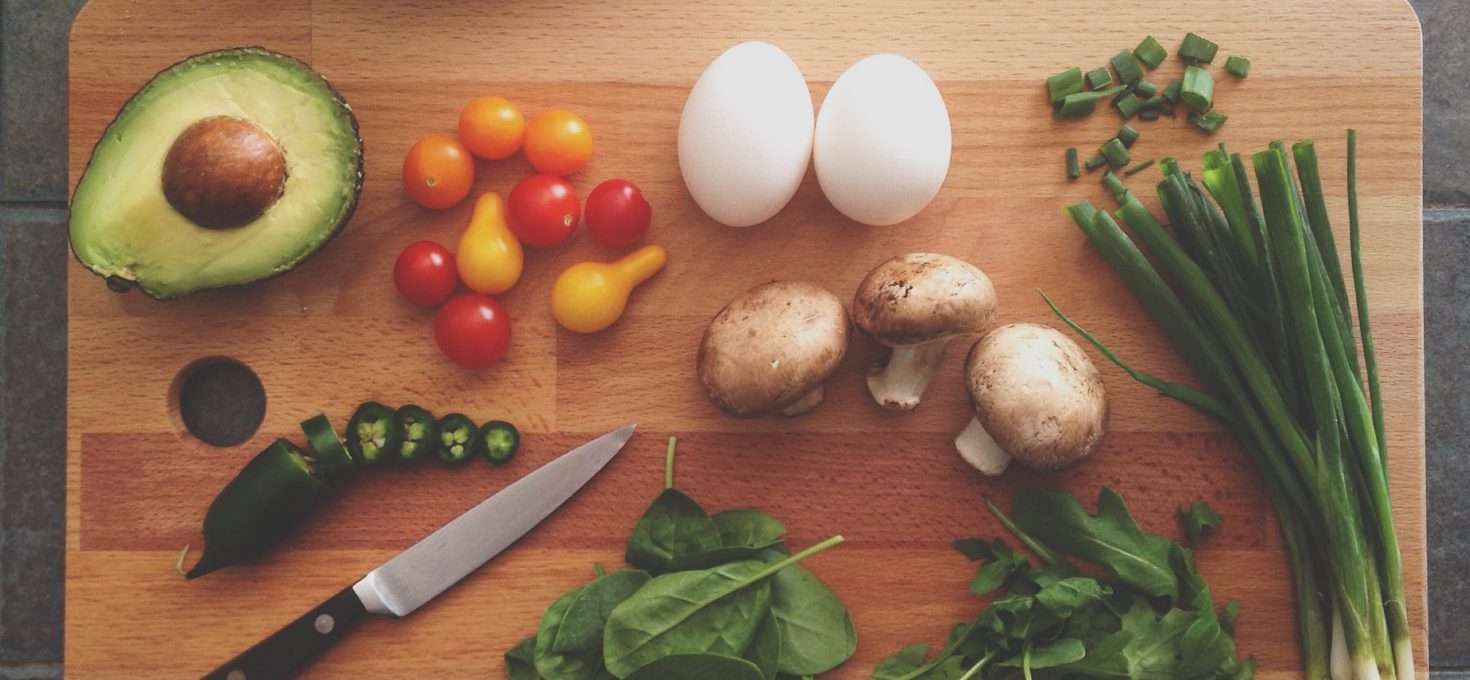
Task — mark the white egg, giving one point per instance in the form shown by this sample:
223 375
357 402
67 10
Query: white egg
883 141
746 134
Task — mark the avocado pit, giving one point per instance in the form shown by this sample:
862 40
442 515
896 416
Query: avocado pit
223 172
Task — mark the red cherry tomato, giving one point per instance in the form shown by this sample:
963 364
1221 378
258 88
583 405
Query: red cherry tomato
425 274
617 213
472 330
543 211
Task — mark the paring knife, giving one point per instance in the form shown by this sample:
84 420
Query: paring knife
431 566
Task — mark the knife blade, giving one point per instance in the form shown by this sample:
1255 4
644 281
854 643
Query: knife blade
408 580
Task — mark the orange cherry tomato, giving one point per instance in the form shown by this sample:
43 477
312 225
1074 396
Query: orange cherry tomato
491 127
558 143
438 172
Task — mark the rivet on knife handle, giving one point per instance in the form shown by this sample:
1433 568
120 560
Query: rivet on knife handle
284 653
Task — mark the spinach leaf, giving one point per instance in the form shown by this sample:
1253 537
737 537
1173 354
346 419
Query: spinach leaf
1197 517
520 661
580 629
765 649
689 612
744 534
817 634
1111 538
697 667
673 528
580 665
748 529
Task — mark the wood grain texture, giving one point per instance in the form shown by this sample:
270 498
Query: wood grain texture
333 333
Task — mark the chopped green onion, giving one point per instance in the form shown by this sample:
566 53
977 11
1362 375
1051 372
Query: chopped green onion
1209 122
1114 185
1064 83
1114 152
1096 162
1126 68
1197 89
1172 91
1099 78
1128 105
1155 102
1150 52
1079 104
1138 168
1145 89
1237 66
1128 135
1197 50
1148 114
1073 169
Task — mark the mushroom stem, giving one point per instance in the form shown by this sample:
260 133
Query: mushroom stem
899 383
806 403
979 449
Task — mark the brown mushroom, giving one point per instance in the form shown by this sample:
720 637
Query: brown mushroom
1037 398
771 349
916 303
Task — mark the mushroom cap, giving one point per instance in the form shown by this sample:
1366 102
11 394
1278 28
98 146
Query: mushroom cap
771 346
1037 394
920 297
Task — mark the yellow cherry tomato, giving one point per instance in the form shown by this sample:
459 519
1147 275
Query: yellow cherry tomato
489 257
590 296
491 127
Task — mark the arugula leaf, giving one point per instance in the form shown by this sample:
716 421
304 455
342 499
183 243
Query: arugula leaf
1152 620
673 528
1072 594
520 661
1197 517
1051 655
1000 563
1153 652
902 664
1110 538
1228 616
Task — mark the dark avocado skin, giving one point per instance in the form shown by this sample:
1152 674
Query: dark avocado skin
122 284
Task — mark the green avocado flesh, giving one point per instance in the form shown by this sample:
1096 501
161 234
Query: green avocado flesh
124 228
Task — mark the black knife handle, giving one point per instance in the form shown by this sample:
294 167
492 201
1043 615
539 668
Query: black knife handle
289 649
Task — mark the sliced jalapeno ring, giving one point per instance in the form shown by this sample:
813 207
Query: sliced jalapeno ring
331 453
498 441
373 434
456 438
265 501
420 433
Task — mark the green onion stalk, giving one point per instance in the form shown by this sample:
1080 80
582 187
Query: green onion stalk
1252 295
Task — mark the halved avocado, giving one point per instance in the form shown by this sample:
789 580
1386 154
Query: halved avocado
227 168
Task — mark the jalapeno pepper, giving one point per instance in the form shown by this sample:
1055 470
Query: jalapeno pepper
456 438
420 433
331 454
373 434
498 441
269 496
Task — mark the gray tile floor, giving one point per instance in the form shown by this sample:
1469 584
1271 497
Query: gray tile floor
33 191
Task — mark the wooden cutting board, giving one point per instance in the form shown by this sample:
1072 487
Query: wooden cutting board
333 333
